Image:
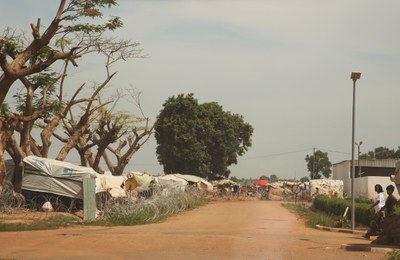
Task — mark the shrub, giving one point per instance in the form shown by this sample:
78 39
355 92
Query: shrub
337 207
393 255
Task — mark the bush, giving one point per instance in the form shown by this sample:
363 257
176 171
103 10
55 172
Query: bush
393 255
337 207
311 218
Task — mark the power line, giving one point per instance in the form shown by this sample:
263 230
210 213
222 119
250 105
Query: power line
290 152
332 151
276 154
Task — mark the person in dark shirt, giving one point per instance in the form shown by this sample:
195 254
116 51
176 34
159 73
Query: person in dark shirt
390 203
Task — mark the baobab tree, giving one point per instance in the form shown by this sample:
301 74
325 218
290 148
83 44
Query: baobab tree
41 65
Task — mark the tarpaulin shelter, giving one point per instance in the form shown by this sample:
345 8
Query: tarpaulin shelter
113 185
261 183
224 182
143 180
196 179
58 177
172 182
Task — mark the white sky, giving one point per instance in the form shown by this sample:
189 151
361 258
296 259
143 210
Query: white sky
284 65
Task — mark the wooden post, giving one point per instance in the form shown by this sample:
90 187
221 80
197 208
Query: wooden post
89 198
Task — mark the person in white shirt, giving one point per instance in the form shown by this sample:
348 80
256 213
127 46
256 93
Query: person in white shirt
375 226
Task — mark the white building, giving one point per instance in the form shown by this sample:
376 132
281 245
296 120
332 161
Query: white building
368 173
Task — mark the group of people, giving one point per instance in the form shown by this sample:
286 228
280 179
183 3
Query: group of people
383 209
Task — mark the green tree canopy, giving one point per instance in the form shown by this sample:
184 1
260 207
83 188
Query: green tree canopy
318 165
381 152
304 179
274 178
199 139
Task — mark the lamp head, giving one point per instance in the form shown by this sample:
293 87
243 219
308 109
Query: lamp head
355 75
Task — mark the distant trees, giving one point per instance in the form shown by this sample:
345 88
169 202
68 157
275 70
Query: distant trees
199 139
381 152
273 178
304 179
318 165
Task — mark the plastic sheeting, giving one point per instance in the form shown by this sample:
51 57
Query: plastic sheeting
200 181
171 182
57 177
143 180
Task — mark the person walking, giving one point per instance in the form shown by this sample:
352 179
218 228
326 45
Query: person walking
390 203
375 226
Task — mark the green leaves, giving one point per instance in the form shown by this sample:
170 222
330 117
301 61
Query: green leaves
79 10
318 165
200 139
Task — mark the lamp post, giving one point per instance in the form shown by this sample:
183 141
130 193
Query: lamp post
358 157
354 77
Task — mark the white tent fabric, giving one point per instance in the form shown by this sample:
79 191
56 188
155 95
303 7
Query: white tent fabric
192 178
171 182
143 180
57 177
113 185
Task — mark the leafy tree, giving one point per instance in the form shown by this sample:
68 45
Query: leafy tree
384 153
304 179
381 152
274 178
367 156
199 139
233 178
42 64
263 177
397 153
318 165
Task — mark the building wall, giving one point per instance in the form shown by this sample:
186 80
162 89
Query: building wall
364 186
340 171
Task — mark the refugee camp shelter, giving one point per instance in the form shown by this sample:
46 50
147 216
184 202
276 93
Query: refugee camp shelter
58 177
368 173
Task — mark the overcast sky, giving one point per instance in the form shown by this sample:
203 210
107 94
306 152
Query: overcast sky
284 65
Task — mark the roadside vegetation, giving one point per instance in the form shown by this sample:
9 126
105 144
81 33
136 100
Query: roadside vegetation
53 222
311 216
332 212
124 212
116 212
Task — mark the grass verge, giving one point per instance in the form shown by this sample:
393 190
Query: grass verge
50 223
312 218
123 211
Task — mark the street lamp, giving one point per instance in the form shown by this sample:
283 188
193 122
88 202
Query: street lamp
354 77
358 157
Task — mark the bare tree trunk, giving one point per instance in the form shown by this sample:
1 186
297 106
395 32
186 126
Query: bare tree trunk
2 159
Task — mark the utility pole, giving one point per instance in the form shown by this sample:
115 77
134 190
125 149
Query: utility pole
313 163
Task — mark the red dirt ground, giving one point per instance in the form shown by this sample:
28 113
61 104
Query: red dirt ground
220 230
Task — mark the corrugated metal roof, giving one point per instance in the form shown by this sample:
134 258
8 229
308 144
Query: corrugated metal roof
383 163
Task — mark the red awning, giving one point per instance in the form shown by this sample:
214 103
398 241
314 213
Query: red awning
261 182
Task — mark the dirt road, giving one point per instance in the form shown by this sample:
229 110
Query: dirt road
219 230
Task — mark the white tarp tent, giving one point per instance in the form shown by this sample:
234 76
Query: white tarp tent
143 180
200 181
113 185
172 182
57 177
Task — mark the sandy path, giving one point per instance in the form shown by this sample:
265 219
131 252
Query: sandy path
219 230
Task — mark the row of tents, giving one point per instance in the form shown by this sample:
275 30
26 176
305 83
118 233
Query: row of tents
66 179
